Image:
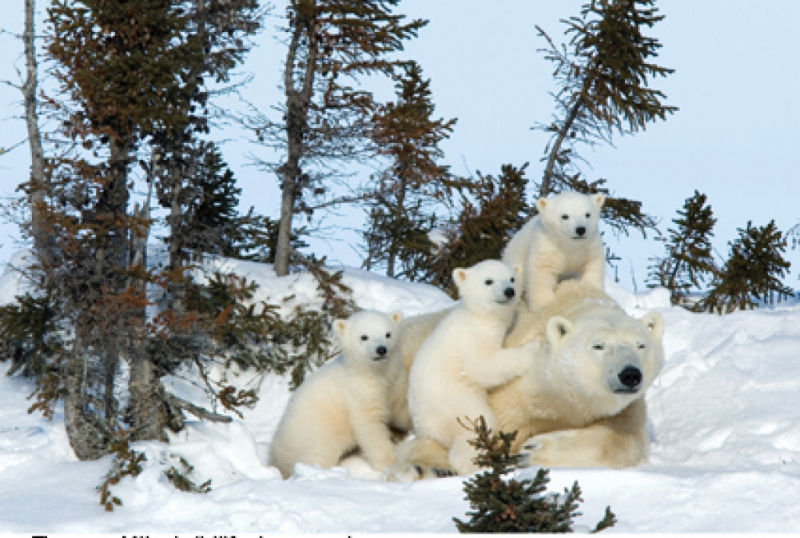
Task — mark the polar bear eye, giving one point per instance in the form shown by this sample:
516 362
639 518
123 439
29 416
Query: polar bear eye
489 282
388 335
512 279
641 346
588 215
599 347
364 337
564 217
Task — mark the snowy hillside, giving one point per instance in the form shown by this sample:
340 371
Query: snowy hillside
725 456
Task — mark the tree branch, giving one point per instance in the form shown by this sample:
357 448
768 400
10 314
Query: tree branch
337 201
196 410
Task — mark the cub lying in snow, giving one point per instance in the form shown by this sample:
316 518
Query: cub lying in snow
461 359
561 242
345 404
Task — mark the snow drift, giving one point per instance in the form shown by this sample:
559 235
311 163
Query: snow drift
724 420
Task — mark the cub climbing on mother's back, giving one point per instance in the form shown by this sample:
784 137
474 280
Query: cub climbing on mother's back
461 360
562 241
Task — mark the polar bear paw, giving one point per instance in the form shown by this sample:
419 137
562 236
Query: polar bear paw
410 473
404 472
546 449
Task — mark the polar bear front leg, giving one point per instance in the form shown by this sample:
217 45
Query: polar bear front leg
462 454
617 442
541 280
563 448
501 366
594 271
374 439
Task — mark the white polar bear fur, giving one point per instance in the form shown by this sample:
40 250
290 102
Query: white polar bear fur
562 406
549 247
462 359
345 405
573 411
412 332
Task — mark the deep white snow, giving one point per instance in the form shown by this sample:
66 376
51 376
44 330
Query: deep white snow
725 456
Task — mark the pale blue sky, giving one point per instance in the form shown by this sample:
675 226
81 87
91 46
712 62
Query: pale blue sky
734 137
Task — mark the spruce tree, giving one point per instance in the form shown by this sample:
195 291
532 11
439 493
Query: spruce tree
129 87
502 504
603 76
752 272
120 85
689 262
332 46
204 204
491 209
190 178
402 206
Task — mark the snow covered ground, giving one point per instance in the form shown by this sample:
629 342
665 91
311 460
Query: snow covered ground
725 457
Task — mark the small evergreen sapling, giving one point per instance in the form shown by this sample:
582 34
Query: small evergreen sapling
510 505
31 336
689 262
752 272
179 477
127 462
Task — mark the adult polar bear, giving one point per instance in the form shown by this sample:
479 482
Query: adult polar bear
582 403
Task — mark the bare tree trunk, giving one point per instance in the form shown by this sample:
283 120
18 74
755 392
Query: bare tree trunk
297 103
398 214
283 244
547 177
42 238
87 434
147 402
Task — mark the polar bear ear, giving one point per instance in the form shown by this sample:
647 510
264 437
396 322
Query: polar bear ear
541 203
517 269
654 324
599 199
557 330
397 317
339 326
459 276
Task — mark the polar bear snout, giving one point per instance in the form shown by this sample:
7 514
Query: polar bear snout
581 231
509 292
380 353
624 374
631 379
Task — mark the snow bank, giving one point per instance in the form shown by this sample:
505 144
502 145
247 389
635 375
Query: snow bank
724 419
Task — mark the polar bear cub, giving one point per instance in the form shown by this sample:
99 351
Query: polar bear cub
562 241
462 359
345 404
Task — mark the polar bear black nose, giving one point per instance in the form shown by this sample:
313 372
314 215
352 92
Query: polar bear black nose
509 292
580 230
381 350
630 376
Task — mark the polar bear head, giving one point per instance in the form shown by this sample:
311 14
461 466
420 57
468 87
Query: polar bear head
488 286
571 216
608 359
367 337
